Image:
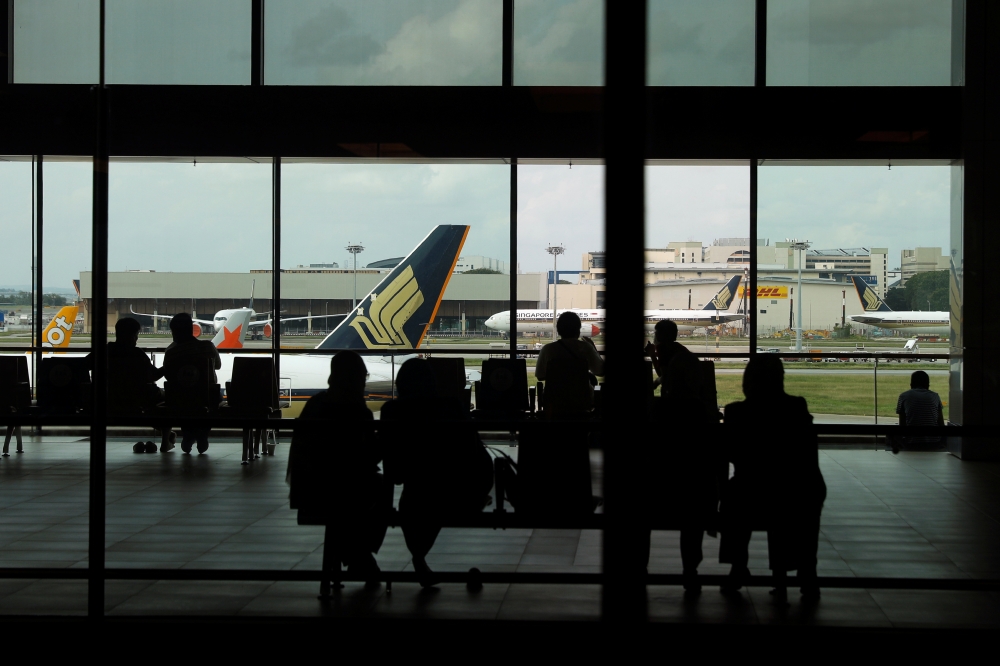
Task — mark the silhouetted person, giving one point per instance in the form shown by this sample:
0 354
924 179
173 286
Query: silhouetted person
333 467
441 463
920 406
131 373
554 472
777 479
683 467
184 349
668 354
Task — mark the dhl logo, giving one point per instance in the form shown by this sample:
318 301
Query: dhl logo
767 292
389 312
59 331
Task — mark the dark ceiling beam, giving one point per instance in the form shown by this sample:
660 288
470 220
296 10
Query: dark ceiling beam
456 122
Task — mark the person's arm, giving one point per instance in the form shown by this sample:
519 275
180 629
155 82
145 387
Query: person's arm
594 360
542 363
218 359
940 408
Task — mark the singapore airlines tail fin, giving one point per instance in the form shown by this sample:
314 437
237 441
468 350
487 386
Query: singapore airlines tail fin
722 299
869 299
59 331
400 309
230 334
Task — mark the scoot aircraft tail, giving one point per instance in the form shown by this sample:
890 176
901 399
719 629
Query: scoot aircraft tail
231 334
725 295
400 309
869 299
59 331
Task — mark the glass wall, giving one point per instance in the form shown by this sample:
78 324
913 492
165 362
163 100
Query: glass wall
865 42
558 43
697 43
56 41
16 270
383 42
856 259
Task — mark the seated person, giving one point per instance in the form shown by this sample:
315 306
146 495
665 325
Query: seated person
554 473
333 467
140 375
442 464
777 480
185 347
669 355
920 406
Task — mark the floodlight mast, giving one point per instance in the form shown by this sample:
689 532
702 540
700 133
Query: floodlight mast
800 246
355 249
555 251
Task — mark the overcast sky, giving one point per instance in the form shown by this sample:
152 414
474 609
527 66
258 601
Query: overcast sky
216 217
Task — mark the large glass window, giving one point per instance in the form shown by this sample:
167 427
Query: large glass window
383 42
865 42
697 43
16 270
178 42
56 41
855 259
558 43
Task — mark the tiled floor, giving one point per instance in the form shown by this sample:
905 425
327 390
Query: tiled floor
911 515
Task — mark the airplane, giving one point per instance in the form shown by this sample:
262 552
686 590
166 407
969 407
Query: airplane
59 331
234 322
909 322
540 321
395 315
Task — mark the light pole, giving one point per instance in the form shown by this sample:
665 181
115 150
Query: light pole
555 251
354 250
800 246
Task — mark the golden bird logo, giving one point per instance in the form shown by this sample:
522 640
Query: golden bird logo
388 312
721 300
871 300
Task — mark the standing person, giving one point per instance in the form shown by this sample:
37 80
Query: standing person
442 464
333 468
920 406
777 480
554 473
185 348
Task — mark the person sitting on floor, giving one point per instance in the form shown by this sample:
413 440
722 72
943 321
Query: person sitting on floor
920 406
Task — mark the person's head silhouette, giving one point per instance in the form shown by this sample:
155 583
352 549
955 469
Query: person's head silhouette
665 331
347 376
127 332
415 380
181 326
568 325
764 376
920 380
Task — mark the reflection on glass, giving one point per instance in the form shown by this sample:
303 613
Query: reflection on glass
854 259
178 42
383 42
388 258
56 41
558 43
697 43
698 253
864 42
16 278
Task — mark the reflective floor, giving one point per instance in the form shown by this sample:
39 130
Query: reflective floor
912 515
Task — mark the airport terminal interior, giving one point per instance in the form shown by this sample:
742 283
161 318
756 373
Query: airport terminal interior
334 233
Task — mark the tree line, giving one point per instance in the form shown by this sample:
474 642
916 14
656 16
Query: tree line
25 298
923 291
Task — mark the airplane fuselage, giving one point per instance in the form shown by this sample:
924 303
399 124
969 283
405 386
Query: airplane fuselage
541 321
908 322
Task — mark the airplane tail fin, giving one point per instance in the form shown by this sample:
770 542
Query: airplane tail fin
400 309
723 299
59 331
870 301
231 333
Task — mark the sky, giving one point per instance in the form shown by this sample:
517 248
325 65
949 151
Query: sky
216 217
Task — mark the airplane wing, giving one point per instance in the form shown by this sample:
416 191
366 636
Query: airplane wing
263 322
203 322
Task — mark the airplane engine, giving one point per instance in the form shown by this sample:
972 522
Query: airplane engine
196 329
589 330
267 330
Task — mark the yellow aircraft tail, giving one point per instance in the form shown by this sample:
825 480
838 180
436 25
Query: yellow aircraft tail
59 331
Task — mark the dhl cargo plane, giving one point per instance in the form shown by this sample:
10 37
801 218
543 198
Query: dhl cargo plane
394 316
540 321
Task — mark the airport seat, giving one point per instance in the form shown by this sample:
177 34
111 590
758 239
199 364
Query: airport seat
253 392
64 385
15 394
129 392
503 389
189 388
449 375
709 391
